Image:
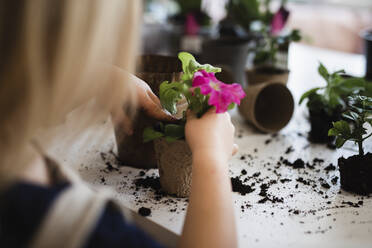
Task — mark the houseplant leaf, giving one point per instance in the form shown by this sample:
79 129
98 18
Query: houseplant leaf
308 93
150 134
170 94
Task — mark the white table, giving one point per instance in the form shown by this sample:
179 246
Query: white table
260 225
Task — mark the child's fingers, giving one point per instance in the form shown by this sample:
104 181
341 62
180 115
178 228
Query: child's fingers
235 149
190 115
155 111
153 97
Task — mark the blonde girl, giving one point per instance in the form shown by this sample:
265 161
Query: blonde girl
55 56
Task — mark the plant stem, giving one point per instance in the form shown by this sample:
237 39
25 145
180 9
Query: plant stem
360 145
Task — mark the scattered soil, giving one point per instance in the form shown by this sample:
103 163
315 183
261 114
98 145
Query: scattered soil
149 182
238 186
297 164
144 211
289 150
330 167
356 173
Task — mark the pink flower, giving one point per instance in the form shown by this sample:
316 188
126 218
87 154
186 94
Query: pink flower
221 95
279 20
192 26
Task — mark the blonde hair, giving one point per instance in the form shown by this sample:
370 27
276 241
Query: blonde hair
53 52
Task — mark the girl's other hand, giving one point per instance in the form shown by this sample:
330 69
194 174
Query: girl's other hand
149 101
212 135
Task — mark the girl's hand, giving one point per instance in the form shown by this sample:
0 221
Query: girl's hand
212 135
149 101
146 100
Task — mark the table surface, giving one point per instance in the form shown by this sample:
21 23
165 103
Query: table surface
305 218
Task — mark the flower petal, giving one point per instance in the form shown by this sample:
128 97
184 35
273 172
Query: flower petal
279 20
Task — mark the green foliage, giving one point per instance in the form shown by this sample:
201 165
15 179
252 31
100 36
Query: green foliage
244 12
150 134
170 93
266 52
190 66
170 132
333 96
354 129
187 6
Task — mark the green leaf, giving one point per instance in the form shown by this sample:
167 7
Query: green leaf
336 73
190 66
340 142
333 132
323 71
308 93
150 134
170 94
350 115
231 106
170 139
194 66
174 131
342 127
185 59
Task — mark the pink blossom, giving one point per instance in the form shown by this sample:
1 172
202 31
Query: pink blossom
279 20
221 95
192 26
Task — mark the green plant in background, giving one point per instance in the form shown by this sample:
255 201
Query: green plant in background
333 96
266 53
354 129
244 12
194 8
187 6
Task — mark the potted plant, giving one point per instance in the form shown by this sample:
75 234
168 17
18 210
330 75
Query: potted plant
230 48
355 171
153 69
200 90
327 103
270 57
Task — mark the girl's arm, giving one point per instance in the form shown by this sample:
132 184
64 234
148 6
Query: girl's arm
210 218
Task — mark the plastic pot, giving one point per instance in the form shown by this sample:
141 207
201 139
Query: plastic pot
367 37
229 53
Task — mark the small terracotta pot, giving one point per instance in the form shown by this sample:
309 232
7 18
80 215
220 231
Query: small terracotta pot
174 161
268 106
153 69
259 76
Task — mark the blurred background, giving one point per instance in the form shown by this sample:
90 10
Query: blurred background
173 25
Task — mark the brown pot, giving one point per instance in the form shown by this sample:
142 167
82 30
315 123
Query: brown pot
174 161
153 69
268 106
265 75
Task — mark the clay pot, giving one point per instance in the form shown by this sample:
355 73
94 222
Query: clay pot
174 161
268 106
153 69
267 74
